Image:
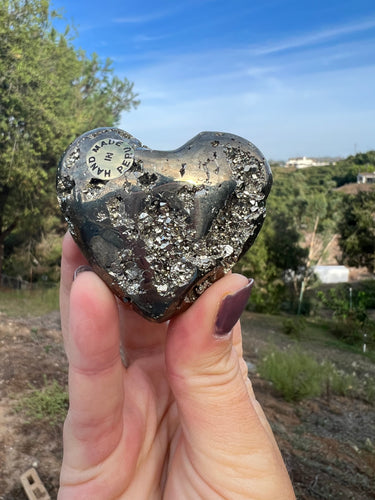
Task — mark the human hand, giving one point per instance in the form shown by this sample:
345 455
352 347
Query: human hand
180 421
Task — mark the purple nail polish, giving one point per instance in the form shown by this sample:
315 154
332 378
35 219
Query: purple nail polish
231 308
81 269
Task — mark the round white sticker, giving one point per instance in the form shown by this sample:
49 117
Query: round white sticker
109 158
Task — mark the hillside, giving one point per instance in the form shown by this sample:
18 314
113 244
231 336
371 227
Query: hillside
355 188
327 442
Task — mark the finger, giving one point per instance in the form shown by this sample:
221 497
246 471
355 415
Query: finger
204 369
71 259
140 337
237 345
199 359
95 371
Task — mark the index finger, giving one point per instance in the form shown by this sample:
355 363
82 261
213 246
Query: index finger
138 336
71 259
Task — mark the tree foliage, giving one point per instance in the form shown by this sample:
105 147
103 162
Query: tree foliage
357 230
305 211
50 92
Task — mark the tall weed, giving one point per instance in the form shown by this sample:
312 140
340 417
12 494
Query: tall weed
297 375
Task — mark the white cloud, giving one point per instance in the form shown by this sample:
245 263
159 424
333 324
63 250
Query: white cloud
314 38
150 16
310 114
143 18
315 101
142 38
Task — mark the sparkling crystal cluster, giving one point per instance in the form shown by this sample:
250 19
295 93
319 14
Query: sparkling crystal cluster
164 225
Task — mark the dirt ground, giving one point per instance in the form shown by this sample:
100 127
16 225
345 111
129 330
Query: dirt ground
328 443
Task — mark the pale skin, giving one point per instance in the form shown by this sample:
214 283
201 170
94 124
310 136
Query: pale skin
179 422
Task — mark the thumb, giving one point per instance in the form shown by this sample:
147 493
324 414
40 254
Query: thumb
203 361
225 435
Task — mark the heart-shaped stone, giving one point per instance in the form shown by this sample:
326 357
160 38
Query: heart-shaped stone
160 226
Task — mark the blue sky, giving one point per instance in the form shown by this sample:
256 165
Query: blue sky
295 77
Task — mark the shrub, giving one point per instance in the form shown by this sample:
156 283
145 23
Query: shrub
355 333
336 381
297 375
294 326
348 331
50 403
369 390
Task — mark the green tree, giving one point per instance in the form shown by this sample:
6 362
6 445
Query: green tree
303 211
357 230
49 93
275 261
256 264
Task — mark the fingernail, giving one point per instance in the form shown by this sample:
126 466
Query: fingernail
81 269
231 308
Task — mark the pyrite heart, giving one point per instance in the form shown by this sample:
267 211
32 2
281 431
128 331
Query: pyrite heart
160 226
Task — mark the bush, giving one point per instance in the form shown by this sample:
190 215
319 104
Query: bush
49 404
297 375
348 331
336 381
369 390
294 326
38 261
354 333
350 306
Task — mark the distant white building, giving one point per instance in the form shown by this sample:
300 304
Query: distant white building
300 162
304 162
332 274
366 178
